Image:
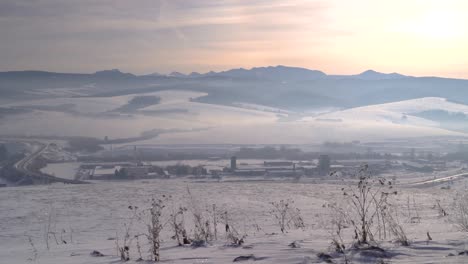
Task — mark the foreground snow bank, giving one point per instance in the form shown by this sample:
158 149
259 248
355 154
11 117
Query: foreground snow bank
85 218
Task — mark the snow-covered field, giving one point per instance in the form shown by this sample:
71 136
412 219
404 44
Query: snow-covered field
89 217
66 170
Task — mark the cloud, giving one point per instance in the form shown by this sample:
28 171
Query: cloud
58 29
144 36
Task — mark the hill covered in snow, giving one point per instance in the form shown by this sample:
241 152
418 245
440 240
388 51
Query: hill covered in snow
235 106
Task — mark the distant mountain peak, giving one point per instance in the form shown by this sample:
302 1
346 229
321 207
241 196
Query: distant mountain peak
176 74
370 71
272 73
195 74
108 71
113 73
375 75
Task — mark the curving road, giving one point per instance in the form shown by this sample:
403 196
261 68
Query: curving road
23 166
429 183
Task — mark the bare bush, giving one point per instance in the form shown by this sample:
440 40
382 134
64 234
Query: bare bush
440 209
138 246
338 223
156 226
396 229
368 205
232 235
34 251
177 222
460 212
413 214
215 222
123 244
153 218
50 229
286 215
203 230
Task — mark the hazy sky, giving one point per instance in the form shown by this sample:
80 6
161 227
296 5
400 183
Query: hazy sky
417 37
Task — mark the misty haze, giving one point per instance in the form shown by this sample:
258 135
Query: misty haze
233 131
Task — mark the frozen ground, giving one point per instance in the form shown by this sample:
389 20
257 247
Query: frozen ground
89 217
65 170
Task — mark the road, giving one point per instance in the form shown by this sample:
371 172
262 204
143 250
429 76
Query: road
438 181
23 166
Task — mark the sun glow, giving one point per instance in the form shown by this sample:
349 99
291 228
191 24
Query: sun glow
438 25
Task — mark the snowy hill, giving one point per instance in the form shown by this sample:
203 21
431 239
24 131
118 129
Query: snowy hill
403 112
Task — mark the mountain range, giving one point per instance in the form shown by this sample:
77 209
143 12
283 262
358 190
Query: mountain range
284 73
280 73
279 86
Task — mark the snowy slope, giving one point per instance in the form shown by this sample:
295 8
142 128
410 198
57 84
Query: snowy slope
396 112
202 123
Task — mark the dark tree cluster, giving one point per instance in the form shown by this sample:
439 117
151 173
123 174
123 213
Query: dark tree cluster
84 144
3 153
181 170
121 174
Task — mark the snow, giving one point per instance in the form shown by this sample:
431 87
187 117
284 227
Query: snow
263 108
88 105
196 116
190 122
65 170
96 212
394 112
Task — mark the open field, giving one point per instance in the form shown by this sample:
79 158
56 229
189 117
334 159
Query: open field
88 217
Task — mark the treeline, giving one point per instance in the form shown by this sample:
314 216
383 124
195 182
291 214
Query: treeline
86 144
181 170
139 102
267 152
3 153
460 155
92 145
297 154
151 156
177 170
11 175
